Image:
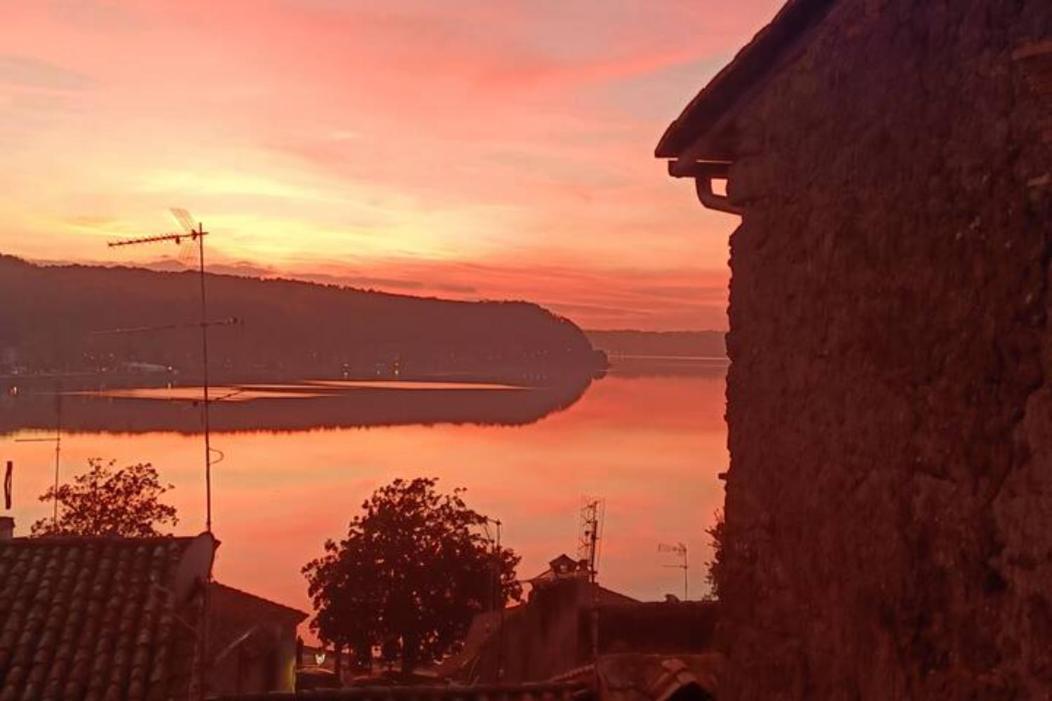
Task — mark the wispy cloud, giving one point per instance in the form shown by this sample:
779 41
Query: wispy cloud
30 72
498 150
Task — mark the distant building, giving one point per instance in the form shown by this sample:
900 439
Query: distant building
888 526
8 358
561 567
316 667
110 618
136 367
253 642
572 641
569 622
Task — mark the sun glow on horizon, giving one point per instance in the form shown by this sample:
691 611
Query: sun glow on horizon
404 146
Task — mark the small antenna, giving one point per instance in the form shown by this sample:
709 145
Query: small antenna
57 440
198 235
184 218
681 550
228 321
588 541
498 591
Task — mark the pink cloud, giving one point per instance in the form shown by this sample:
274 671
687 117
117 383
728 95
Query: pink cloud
513 134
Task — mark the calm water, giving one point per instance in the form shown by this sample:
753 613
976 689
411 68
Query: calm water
650 446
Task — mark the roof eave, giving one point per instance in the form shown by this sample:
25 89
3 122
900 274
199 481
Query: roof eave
752 65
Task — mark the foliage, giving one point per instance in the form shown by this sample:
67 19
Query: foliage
412 572
714 566
105 501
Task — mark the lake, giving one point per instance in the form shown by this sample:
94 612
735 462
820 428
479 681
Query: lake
298 460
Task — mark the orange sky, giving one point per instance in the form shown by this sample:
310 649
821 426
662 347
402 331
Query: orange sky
470 149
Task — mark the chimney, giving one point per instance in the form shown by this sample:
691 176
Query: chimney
7 527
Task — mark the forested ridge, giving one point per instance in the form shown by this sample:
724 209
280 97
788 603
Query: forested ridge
51 318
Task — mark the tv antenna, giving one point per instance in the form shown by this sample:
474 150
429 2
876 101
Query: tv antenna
227 321
497 589
57 440
592 513
195 235
681 550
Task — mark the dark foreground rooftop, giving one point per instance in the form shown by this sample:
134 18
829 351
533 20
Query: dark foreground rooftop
93 618
566 691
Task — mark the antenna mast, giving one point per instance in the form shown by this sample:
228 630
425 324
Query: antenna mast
57 440
197 235
681 550
588 542
498 591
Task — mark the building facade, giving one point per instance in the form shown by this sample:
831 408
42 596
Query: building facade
253 643
889 501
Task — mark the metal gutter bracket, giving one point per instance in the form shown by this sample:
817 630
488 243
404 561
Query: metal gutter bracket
704 172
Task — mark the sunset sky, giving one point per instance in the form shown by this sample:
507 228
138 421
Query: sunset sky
469 149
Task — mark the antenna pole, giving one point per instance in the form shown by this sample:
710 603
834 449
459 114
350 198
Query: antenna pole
199 234
500 602
681 550
57 440
588 545
58 454
686 594
204 377
592 544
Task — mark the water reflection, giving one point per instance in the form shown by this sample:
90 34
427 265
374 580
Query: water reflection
650 445
289 406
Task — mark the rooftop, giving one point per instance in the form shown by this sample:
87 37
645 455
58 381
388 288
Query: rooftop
93 618
229 599
518 692
757 61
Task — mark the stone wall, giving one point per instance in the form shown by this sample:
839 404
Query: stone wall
889 502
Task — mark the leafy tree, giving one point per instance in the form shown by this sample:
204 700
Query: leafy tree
715 566
412 572
105 501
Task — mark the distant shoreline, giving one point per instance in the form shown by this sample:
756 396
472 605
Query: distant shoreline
659 345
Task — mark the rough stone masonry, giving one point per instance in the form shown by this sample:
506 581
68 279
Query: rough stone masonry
889 502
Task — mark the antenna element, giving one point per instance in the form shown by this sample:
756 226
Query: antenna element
588 543
198 235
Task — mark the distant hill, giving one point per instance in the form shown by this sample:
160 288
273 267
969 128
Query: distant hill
696 344
50 315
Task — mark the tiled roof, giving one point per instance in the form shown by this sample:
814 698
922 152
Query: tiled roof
228 599
92 619
642 677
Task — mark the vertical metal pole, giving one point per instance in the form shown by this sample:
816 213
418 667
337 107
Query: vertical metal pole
204 375
686 595
206 622
592 573
204 667
500 602
58 453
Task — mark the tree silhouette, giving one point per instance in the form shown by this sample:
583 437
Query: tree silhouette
105 501
715 566
410 575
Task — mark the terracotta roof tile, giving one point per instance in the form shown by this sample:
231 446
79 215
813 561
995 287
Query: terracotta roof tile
91 619
530 691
